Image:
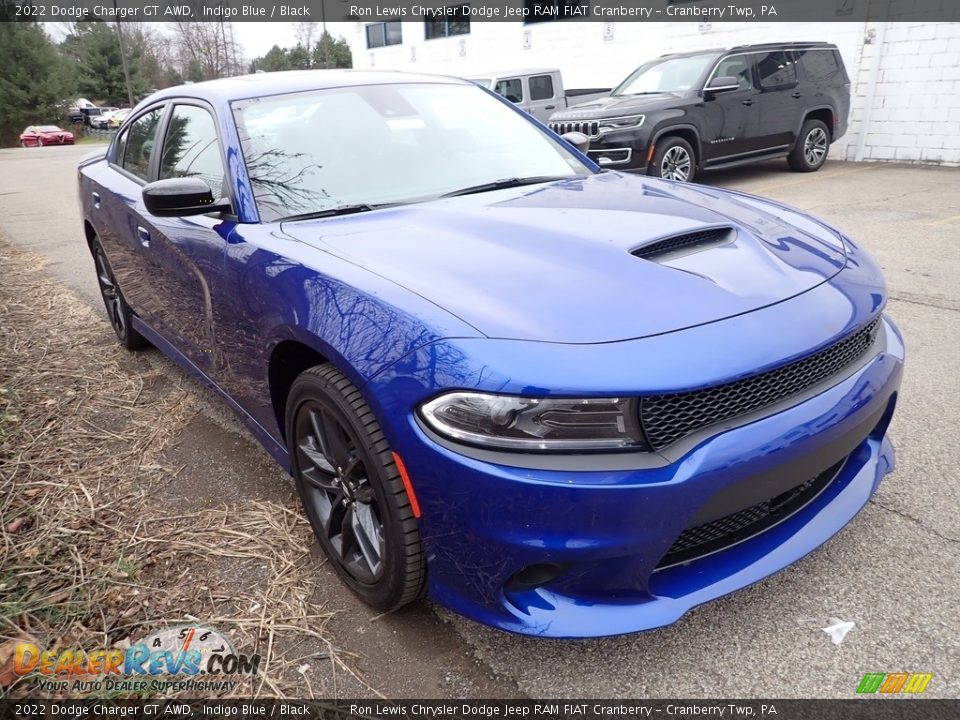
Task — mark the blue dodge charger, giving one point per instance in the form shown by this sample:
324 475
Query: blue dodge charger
560 400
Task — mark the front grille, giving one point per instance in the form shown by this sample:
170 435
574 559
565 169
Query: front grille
683 242
667 418
590 128
723 532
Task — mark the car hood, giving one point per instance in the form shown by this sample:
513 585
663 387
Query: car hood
618 105
553 262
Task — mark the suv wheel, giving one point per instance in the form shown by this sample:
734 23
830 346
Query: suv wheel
812 147
674 160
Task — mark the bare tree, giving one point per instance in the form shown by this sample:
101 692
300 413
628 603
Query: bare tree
207 50
307 33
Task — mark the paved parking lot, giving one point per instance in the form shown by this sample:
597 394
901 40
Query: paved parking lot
894 571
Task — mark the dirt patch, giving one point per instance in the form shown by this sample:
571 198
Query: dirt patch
92 554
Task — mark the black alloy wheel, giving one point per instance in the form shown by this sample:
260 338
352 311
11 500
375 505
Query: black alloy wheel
118 312
351 490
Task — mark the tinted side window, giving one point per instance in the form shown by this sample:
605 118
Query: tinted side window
818 65
140 142
541 87
775 69
190 148
511 89
737 66
119 148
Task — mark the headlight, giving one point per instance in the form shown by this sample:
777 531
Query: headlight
536 424
620 123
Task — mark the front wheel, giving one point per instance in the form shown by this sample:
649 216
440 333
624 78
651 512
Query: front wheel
118 312
351 490
812 147
674 160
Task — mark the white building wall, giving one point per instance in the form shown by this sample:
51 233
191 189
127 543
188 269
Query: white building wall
916 114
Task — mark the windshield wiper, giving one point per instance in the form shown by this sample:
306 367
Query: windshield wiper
504 183
331 212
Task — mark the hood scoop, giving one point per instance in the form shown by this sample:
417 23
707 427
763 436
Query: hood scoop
685 244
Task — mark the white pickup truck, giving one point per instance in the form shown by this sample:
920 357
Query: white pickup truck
540 92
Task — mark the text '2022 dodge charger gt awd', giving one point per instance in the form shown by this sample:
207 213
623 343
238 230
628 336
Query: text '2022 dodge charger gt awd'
560 400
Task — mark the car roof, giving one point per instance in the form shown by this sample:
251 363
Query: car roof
291 81
755 47
511 72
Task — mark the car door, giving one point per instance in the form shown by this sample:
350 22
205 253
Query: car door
541 91
186 253
777 104
730 122
122 231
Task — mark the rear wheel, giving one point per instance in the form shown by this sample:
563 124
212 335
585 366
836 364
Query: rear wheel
812 147
118 312
674 160
351 490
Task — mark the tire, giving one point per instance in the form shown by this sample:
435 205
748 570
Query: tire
351 490
118 312
674 160
812 147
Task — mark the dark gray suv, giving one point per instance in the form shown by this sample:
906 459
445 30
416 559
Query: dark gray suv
686 112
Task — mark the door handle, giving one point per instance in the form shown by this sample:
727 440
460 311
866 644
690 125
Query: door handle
748 102
550 107
143 235
96 200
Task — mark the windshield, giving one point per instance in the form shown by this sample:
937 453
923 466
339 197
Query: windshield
48 128
666 75
382 144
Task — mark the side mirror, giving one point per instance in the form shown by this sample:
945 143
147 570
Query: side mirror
181 197
580 141
722 83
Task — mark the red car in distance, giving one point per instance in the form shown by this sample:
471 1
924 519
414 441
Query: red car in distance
38 135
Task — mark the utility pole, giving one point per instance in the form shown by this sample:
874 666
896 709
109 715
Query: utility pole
123 57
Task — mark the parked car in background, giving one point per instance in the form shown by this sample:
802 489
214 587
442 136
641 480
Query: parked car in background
564 402
40 135
117 118
88 113
75 114
686 112
99 122
538 92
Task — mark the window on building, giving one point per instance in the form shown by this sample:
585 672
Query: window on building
384 33
454 21
541 87
775 69
818 65
539 11
511 89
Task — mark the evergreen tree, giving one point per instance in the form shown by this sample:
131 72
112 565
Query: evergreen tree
96 49
330 53
37 85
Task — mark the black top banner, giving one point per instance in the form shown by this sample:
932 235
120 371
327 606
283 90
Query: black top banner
865 708
527 11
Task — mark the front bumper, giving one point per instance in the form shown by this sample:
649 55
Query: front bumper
608 530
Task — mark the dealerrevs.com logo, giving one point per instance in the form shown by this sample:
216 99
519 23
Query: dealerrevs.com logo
170 659
894 683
